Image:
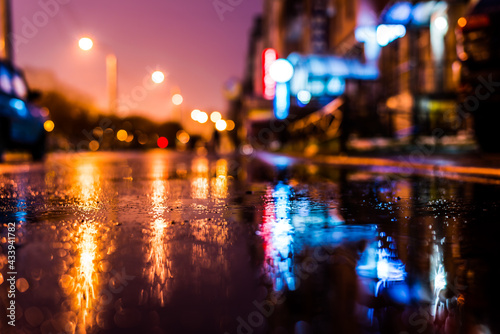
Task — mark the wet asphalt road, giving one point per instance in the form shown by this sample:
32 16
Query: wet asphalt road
165 242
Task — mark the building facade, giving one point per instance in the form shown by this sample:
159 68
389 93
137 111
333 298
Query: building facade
391 64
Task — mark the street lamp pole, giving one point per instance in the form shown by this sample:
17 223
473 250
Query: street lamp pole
112 82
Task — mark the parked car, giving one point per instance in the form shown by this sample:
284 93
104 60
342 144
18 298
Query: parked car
21 121
478 47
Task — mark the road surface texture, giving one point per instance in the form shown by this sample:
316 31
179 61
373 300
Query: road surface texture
164 242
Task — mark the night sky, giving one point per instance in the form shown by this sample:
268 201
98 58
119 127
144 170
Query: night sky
195 45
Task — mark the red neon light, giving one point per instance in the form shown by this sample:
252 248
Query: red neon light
269 56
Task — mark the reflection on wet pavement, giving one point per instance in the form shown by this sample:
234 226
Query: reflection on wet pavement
162 242
158 270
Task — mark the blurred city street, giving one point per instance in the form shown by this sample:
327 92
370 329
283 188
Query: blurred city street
166 242
249 167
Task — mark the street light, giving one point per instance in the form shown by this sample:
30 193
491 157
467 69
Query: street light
215 116
202 117
221 125
195 114
177 99
86 44
158 77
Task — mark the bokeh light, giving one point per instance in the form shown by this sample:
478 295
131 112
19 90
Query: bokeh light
246 149
215 116
44 112
230 125
98 132
143 139
281 70
221 125
202 117
48 125
85 43
304 96
94 145
177 99
183 136
462 22
441 23
195 114
121 135
158 77
162 142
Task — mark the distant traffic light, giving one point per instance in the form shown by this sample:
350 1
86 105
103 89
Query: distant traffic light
162 142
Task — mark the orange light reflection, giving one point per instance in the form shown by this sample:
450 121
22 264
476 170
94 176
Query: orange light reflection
200 185
158 270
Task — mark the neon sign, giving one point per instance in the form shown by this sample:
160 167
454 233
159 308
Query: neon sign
269 56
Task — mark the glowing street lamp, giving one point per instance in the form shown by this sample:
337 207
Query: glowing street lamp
195 114
85 43
215 116
177 99
202 117
221 125
158 77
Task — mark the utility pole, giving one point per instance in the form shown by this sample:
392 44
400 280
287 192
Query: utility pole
6 50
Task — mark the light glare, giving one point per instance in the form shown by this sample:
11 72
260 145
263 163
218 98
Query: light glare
281 70
441 23
158 77
202 117
304 96
121 135
177 99
462 22
387 33
215 116
85 43
195 114
48 125
221 125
